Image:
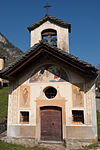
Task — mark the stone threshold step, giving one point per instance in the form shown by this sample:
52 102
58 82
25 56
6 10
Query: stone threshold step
50 142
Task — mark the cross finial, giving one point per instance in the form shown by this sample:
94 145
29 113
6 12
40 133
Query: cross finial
47 6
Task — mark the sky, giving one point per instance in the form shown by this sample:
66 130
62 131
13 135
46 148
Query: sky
84 16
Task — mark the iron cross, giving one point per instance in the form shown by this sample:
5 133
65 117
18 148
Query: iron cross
47 6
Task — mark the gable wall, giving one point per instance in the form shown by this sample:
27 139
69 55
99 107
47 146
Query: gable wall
64 99
62 35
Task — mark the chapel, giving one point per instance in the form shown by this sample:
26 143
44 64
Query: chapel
51 92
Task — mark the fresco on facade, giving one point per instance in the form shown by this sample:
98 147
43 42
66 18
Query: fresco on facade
24 96
49 73
78 95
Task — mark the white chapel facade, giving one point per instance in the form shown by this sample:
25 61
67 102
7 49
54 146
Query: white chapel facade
52 93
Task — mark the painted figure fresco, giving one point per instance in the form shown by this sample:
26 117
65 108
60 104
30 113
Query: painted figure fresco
24 96
78 96
49 73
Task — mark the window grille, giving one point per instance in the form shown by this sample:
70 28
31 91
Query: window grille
50 92
78 116
24 117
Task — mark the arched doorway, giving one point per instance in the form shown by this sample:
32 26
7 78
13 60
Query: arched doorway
51 123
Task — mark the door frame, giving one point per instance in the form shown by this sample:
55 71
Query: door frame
57 102
52 108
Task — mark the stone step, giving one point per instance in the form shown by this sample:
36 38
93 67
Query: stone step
52 145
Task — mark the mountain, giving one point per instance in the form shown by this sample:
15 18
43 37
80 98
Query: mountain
8 50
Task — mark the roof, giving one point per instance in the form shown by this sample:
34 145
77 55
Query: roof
52 19
45 47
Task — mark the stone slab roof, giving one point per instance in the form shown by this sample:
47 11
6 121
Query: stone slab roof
88 69
52 20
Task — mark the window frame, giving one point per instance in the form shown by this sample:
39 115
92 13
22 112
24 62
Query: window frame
75 119
49 93
20 117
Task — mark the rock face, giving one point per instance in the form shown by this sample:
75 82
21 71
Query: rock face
8 50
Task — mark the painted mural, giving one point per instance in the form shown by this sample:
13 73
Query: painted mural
78 95
24 96
49 73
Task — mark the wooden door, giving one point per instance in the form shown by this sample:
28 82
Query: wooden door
51 123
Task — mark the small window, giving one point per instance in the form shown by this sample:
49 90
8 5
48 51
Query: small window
24 117
77 116
50 92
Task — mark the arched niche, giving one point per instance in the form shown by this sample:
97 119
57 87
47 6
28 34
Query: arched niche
49 73
50 35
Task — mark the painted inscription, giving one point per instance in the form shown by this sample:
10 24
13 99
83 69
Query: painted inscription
78 95
49 73
24 96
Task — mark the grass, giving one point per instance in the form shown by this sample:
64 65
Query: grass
98 124
91 146
97 94
3 103
8 146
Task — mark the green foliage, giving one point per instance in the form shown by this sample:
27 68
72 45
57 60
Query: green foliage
7 146
98 124
3 103
91 146
97 96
